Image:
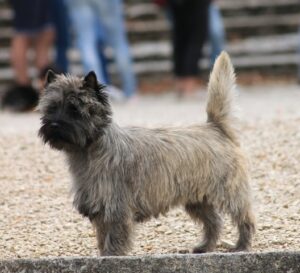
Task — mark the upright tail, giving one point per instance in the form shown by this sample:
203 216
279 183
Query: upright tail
221 89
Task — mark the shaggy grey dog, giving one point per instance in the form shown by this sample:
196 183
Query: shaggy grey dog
127 175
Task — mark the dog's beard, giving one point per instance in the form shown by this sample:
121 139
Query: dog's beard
64 137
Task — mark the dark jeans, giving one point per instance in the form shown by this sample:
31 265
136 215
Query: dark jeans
190 29
61 23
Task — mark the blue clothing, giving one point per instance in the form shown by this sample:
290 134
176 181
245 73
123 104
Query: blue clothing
216 32
61 24
86 15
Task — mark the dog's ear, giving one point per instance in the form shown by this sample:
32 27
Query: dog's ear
50 76
90 80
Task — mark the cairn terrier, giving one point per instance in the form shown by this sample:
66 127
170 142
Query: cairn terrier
124 175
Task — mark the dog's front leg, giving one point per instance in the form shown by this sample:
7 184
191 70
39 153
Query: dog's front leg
118 238
101 231
114 233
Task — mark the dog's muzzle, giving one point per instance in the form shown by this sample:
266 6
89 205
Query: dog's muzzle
57 134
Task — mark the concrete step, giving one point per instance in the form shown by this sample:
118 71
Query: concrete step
165 66
269 262
252 4
149 9
140 27
153 50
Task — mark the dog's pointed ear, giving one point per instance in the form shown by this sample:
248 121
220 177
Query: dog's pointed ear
90 80
50 76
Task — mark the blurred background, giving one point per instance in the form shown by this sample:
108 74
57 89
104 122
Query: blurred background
261 36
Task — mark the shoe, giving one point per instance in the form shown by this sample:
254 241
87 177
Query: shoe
115 94
20 98
134 99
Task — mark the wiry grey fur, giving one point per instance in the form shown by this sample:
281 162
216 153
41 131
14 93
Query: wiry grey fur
127 175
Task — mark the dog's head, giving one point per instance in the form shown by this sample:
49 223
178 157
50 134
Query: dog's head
75 111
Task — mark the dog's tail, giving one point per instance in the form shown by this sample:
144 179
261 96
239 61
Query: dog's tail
221 89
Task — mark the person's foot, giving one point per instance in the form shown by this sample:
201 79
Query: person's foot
20 98
115 94
132 100
187 86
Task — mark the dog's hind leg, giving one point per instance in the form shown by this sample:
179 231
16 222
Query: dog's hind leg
244 219
239 207
212 223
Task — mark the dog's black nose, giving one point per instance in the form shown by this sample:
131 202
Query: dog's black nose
54 125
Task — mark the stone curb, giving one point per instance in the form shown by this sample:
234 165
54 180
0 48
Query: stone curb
268 262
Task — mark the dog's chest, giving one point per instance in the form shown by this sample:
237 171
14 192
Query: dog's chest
91 185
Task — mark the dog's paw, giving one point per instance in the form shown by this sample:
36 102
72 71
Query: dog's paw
239 249
183 251
198 250
202 249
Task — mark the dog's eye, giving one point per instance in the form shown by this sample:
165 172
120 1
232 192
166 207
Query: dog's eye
73 110
92 111
52 109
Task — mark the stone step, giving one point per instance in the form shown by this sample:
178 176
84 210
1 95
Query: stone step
162 49
238 22
267 262
165 66
250 4
149 9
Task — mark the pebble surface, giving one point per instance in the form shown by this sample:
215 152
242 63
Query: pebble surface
36 214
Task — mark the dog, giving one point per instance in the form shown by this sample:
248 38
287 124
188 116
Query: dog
125 175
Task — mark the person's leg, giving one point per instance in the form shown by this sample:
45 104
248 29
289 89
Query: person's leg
179 35
104 62
43 42
196 17
298 51
19 48
176 16
101 51
83 23
198 30
21 40
216 32
30 19
61 20
111 16
189 35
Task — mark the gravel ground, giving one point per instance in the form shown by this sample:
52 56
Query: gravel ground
36 214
